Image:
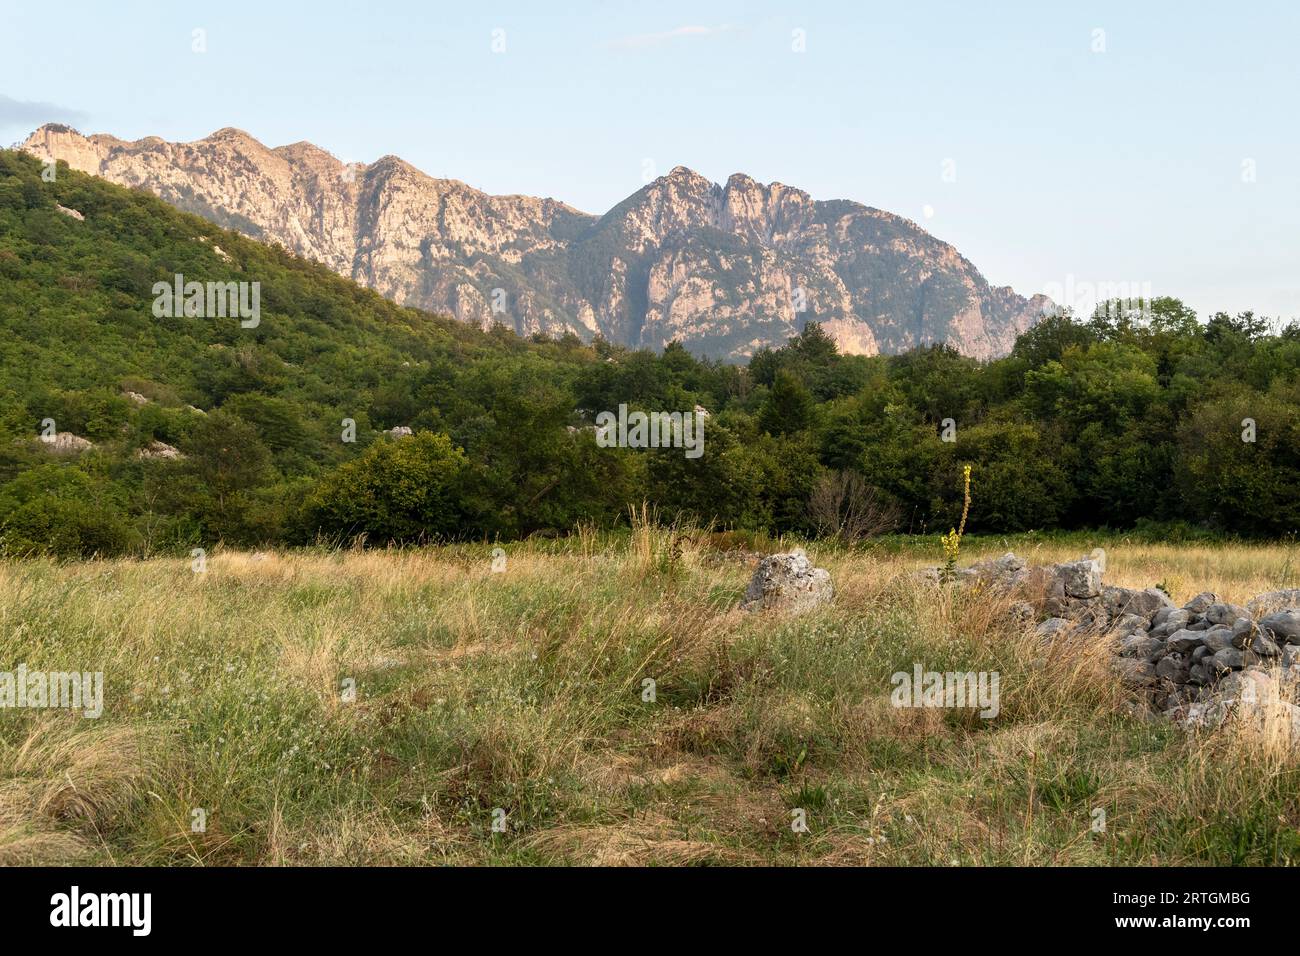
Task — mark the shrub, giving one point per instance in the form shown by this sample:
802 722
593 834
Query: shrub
399 490
843 506
61 511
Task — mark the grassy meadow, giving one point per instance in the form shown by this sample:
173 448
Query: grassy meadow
523 691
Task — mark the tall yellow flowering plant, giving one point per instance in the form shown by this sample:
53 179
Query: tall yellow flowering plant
952 540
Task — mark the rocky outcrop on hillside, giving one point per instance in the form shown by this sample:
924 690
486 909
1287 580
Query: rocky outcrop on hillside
159 450
725 269
66 443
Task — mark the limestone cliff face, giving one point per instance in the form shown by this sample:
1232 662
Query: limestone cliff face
725 269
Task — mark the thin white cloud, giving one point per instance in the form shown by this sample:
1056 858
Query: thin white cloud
23 113
643 40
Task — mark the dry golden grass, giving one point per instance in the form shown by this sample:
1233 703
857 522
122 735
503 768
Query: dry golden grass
65 783
525 692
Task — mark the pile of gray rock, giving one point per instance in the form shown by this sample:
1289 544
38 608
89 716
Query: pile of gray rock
1193 662
1206 639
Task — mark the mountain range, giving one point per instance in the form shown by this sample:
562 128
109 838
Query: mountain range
724 269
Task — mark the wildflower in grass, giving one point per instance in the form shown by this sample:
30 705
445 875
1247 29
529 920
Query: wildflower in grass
952 540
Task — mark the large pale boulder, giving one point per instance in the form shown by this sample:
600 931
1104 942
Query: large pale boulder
1255 697
788 582
1273 601
1080 579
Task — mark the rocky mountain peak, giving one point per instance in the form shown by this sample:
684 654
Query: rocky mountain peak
308 154
725 269
231 134
686 174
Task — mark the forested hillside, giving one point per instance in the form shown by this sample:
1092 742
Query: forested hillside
203 431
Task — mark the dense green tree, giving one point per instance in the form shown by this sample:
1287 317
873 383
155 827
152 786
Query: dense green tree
1229 482
1048 339
720 487
227 462
788 407
64 512
1018 482
400 490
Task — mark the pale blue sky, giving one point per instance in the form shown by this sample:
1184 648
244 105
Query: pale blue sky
1071 165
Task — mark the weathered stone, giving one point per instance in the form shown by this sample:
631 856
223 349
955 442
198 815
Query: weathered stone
1080 579
1173 667
1129 623
1264 646
1022 612
1224 613
1271 601
1258 699
1158 600
1116 599
1004 566
1184 640
1203 715
1284 625
788 582
1173 617
1253 685
1285 719
1246 634
1141 646
1187 662
1054 627
1088 615
1134 673
1120 601
673 254
160 449
1230 658
1001 575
